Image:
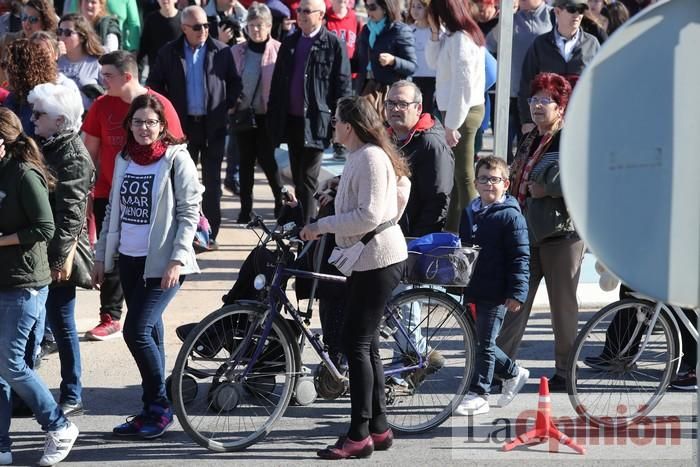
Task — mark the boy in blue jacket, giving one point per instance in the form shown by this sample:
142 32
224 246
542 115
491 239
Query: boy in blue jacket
493 221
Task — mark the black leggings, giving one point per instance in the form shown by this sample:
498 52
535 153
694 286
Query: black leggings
368 293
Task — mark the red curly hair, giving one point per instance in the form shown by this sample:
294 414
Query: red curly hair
555 85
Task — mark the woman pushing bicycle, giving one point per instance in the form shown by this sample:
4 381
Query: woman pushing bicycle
371 197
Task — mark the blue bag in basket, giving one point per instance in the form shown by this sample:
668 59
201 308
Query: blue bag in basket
440 259
431 241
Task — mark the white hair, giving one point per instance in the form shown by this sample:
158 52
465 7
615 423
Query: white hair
59 101
191 11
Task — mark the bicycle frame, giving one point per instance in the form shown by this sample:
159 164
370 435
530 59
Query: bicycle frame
673 313
277 298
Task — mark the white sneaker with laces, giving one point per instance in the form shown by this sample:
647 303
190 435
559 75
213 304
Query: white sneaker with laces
5 457
58 444
511 387
472 404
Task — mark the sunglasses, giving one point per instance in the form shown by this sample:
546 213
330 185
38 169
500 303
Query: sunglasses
576 9
65 32
197 27
371 6
36 114
306 11
30 19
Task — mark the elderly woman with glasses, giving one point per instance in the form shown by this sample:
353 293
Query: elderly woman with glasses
556 251
57 117
255 61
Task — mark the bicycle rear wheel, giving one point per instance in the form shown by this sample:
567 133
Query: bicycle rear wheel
605 386
225 411
421 399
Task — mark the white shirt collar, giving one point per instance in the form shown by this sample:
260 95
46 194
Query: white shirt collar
566 46
314 33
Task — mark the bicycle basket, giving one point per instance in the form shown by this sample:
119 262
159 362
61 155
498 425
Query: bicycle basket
446 265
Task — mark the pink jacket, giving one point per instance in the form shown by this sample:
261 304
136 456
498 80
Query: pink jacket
267 66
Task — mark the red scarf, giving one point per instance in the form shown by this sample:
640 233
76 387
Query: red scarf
146 155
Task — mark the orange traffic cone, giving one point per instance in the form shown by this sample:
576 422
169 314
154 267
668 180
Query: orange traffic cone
544 426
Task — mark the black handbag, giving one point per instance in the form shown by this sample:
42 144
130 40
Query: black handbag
244 120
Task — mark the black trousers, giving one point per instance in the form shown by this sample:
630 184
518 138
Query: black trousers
426 85
111 294
305 164
368 293
622 325
255 145
210 151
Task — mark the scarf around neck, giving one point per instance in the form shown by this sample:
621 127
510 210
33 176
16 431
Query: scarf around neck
375 27
146 154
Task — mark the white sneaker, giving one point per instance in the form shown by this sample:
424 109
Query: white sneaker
472 404
5 457
511 387
58 444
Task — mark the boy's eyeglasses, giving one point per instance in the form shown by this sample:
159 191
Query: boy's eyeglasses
490 180
197 27
540 100
576 9
65 32
371 6
29 19
150 124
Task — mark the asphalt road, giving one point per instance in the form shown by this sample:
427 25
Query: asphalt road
112 392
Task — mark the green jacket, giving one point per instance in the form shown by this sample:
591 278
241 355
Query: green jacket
24 210
547 217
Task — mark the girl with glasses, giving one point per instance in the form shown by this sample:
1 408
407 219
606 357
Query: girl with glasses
150 222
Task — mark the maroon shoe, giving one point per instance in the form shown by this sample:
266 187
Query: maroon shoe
346 448
383 441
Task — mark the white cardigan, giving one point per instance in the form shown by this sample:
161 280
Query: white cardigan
460 77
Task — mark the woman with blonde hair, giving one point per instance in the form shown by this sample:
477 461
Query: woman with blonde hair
371 198
105 25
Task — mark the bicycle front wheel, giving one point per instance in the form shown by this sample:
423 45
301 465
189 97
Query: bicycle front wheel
438 330
219 408
606 385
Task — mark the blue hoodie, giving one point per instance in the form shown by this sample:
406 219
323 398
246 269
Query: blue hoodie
503 268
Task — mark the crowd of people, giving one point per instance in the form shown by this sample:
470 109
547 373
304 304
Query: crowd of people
109 106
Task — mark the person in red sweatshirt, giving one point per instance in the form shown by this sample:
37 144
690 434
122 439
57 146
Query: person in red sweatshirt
342 21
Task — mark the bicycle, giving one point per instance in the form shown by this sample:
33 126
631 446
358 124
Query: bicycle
624 358
248 358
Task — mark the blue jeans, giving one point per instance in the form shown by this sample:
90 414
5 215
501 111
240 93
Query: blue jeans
22 308
60 314
490 358
143 326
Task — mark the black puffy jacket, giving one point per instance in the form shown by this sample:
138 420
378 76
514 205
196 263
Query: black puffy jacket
327 79
396 39
71 165
432 176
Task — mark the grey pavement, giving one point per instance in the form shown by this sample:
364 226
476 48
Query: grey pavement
112 392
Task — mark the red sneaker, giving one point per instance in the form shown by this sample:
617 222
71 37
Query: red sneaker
107 329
